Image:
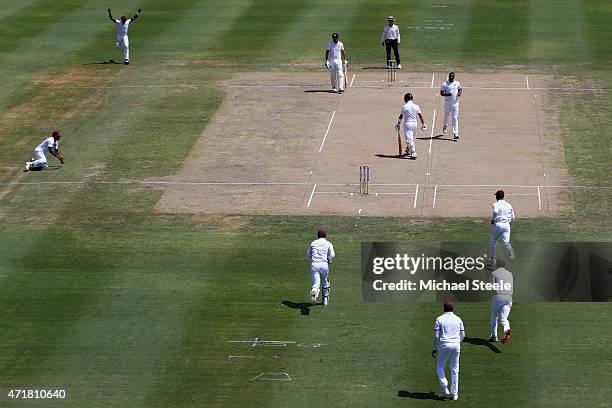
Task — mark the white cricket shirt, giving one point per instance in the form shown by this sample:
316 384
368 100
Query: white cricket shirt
48 143
335 50
411 111
453 88
390 33
503 275
502 212
122 29
448 329
321 250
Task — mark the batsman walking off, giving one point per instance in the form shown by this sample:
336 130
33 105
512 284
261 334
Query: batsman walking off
336 63
321 253
448 335
409 113
123 43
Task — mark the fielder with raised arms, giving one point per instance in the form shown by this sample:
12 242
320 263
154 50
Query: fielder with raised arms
451 91
123 42
409 113
336 63
321 253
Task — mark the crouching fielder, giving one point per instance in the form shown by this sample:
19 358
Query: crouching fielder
502 300
123 43
49 145
321 253
409 113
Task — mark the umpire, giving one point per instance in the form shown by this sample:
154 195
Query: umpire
391 39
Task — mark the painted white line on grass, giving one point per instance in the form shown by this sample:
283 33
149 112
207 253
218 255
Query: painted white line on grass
527 81
352 79
327 131
434 197
416 194
433 122
539 199
311 195
433 76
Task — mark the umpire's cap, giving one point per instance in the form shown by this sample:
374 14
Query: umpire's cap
390 18
408 97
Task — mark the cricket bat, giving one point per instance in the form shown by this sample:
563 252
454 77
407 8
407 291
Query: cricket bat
399 143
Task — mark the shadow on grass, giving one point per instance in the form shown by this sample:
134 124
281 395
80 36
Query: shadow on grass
319 91
394 156
418 395
106 62
481 342
376 67
437 137
304 306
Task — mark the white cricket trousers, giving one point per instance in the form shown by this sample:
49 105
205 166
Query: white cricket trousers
40 160
124 44
410 129
446 352
500 229
337 74
320 273
453 112
500 306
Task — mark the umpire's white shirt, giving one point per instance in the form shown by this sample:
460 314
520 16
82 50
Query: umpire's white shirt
448 329
411 111
390 33
502 212
321 250
453 88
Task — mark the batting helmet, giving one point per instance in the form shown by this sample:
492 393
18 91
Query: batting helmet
408 97
56 133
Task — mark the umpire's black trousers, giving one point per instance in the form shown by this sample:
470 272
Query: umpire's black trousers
392 44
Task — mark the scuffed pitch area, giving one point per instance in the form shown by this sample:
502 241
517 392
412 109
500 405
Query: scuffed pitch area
284 144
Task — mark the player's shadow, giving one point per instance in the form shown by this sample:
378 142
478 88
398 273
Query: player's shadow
481 342
393 156
418 395
105 62
304 306
376 67
319 91
437 137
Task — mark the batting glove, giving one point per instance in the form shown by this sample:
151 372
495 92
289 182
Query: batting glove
424 127
327 64
397 126
346 64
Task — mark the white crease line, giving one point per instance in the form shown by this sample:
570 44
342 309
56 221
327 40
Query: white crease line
433 122
434 197
311 195
539 199
352 79
527 80
416 194
433 76
487 194
327 131
352 192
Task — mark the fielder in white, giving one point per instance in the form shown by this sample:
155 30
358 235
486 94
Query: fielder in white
502 300
336 63
448 335
503 215
409 113
451 91
49 145
123 43
321 253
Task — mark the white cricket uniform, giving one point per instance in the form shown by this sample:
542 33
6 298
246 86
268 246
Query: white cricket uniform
448 335
451 104
122 38
321 253
336 69
502 300
503 215
411 111
40 152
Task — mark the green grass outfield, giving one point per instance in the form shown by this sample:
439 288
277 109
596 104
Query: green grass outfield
124 306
